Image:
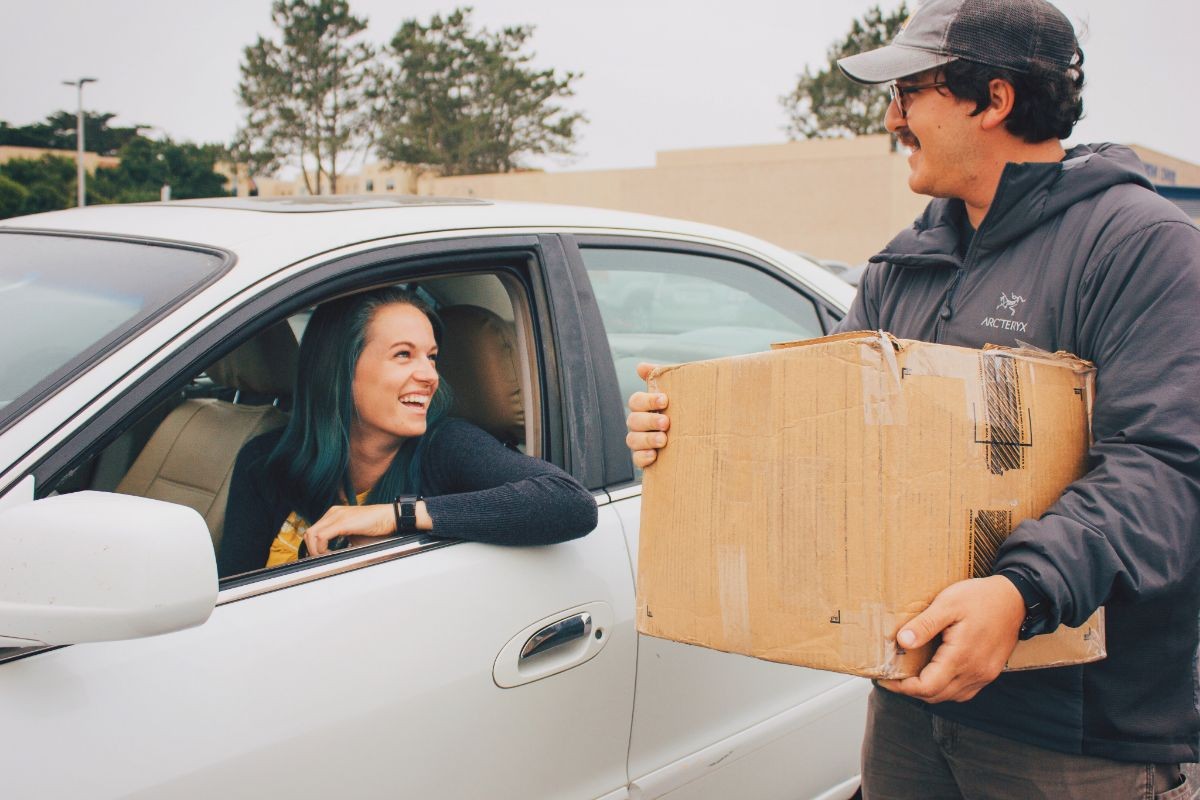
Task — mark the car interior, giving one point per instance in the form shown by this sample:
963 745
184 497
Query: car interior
183 451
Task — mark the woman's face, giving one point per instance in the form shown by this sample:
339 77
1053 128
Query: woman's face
396 375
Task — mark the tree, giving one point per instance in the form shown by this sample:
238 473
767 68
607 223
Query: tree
827 104
468 101
147 164
307 96
58 133
12 197
29 186
98 136
48 183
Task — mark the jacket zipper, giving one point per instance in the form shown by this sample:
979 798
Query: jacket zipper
946 309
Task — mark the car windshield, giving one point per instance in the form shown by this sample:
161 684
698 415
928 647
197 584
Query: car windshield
65 299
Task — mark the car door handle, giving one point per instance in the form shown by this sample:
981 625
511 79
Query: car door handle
578 626
554 644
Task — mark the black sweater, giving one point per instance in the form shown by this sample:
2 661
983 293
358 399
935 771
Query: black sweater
475 489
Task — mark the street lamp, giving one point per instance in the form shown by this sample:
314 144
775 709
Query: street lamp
79 137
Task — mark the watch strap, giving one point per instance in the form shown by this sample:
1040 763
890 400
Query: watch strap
405 509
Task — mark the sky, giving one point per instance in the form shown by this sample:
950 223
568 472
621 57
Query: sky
657 74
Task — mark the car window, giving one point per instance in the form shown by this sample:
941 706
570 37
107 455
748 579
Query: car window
670 307
63 299
183 449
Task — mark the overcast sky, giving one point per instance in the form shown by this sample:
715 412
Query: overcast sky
658 74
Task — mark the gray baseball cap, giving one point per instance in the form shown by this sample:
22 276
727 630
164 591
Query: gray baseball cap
1011 34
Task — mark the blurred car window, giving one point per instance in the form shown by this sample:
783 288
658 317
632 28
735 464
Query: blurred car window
64 299
670 307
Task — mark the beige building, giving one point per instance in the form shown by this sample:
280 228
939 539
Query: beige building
90 160
832 198
238 182
374 178
841 199
1165 170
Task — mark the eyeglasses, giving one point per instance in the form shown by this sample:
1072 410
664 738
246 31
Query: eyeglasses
900 92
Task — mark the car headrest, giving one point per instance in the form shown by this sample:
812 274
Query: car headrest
265 364
479 359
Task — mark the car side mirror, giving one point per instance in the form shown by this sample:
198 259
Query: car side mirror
95 566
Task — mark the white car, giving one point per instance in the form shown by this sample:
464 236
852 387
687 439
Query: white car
141 346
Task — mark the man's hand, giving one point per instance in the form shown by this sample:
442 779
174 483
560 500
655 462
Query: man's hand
979 620
647 428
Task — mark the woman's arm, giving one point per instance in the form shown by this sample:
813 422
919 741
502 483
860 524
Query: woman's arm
482 491
479 491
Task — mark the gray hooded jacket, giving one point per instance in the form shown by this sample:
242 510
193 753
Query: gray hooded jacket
1083 256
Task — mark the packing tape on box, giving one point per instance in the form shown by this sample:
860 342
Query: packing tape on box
733 577
883 399
1007 435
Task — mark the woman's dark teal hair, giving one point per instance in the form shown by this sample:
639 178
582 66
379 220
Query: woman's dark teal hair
311 463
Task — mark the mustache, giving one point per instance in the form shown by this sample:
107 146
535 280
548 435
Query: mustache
907 138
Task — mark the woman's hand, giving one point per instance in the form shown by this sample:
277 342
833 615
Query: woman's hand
647 427
370 521
358 522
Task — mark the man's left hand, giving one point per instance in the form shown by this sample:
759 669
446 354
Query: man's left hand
979 620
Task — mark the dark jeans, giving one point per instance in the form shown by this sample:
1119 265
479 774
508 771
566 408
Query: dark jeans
910 753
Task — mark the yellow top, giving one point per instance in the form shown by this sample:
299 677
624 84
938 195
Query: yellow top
286 547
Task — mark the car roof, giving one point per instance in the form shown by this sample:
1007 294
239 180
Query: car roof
339 220
311 204
267 233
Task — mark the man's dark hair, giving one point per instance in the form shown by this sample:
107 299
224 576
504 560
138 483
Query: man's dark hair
1049 100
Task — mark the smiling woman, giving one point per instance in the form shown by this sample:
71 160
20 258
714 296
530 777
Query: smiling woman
369 436
395 379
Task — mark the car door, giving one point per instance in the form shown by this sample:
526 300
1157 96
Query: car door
396 669
710 724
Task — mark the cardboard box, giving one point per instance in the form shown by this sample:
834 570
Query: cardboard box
814 498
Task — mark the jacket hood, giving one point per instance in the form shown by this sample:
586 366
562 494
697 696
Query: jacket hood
1028 195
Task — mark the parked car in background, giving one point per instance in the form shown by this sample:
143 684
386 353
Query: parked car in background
850 274
831 264
854 275
141 346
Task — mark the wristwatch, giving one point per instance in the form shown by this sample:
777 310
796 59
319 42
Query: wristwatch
405 508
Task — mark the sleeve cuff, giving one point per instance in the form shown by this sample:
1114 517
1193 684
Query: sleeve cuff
1036 605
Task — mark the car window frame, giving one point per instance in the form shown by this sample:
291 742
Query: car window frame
535 261
628 481
597 420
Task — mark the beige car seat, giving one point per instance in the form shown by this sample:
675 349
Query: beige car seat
480 360
189 459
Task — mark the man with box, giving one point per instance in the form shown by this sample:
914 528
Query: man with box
1064 250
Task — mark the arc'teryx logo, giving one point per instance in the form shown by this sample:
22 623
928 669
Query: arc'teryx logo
1008 303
